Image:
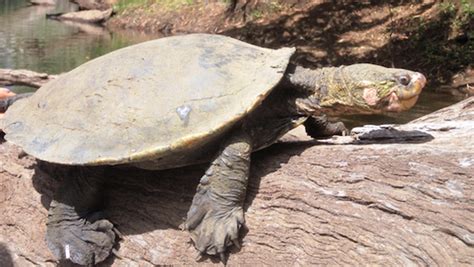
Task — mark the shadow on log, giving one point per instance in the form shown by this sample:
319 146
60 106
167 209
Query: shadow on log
393 201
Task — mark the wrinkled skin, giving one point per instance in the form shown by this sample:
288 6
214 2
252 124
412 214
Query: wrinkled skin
75 231
216 216
357 89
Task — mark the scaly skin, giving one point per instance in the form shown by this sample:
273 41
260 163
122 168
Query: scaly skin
356 89
216 216
76 230
76 227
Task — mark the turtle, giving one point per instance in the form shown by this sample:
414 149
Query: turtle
178 101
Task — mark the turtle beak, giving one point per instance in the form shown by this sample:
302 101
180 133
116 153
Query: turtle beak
405 97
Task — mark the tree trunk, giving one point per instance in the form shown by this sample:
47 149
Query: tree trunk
24 77
391 196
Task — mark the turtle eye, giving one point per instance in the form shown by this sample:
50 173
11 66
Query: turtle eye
404 80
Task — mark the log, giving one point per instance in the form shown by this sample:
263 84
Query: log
43 2
388 195
83 16
24 77
462 84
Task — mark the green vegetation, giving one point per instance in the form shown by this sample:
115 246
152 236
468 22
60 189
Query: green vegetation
265 8
168 4
445 43
121 5
460 13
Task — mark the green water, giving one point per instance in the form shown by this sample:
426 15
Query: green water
29 41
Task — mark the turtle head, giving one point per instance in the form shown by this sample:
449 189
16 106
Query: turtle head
368 89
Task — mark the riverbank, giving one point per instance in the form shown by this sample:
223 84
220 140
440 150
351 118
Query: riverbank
428 36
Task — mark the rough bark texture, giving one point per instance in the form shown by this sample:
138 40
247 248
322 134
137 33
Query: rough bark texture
24 77
385 199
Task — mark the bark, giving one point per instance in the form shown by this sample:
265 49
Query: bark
391 196
24 77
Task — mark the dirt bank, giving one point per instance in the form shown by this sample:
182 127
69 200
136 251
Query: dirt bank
429 36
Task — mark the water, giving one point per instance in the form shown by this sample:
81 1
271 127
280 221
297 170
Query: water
428 102
29 41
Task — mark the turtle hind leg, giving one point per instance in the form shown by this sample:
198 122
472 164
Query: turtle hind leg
216 213
76 228
320 128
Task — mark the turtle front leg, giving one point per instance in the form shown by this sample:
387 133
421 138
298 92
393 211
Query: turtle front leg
320 127
216 214
76 229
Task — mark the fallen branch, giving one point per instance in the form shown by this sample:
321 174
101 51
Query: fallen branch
24 77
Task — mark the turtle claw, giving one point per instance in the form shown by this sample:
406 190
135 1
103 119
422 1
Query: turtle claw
117 233
116 253
223 258
199 256
236 243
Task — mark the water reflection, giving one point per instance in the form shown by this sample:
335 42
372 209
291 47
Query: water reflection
28 40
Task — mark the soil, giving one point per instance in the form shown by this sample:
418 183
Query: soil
419 35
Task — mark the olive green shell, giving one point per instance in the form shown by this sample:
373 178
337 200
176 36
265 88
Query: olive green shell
146 101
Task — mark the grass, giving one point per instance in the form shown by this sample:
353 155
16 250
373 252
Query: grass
452 49
167 4
266 8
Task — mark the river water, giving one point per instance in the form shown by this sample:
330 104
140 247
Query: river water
29 41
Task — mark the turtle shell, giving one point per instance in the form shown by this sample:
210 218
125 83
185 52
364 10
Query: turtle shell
145 101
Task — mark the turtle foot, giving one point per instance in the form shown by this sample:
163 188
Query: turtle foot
321 128
212 227
85 241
